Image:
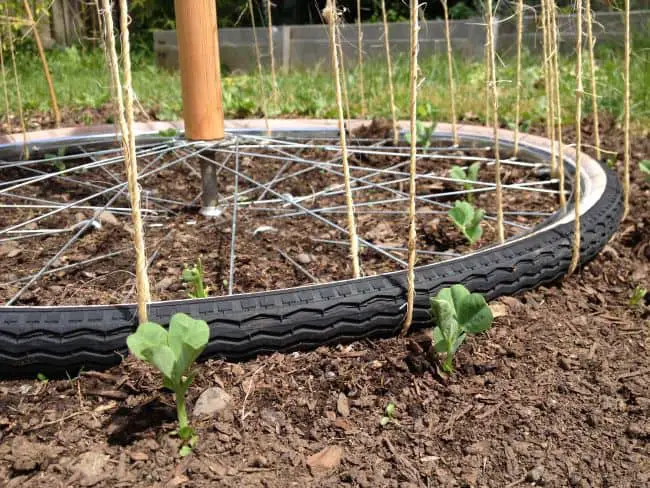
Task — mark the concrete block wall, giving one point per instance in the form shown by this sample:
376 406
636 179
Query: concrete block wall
307 46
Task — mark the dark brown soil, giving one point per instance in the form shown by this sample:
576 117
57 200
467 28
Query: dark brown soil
556 394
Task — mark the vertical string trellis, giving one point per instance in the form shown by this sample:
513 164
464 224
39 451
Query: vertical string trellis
413 101
362 87
3 72
389 64
331 16
575 258
19 97
626 124
450 64
555 72
124 96
520 29
548 79
343 75
274 78
260 71
592 75
493 91
46 68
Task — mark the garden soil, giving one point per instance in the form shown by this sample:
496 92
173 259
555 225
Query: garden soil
556 394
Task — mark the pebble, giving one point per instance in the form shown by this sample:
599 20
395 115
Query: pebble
325 460
342 405
213 401
535 475
303 258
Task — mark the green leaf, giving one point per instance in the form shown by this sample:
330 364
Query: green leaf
390 409
458 342
439 341
384 421
473 234
461 213
474 315
472 171
187 339
477 218
185 451
163 358
458 173
645 166
446 320
458 294
148 336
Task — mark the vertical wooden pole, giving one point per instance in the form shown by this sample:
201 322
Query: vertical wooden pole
198 53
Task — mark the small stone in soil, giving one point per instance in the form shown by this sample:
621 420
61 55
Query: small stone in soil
303 258
259 461
213 401
342 405
325 460
535 475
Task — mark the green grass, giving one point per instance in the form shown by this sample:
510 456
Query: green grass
81 83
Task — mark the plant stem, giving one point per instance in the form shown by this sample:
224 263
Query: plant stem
448 365
183 423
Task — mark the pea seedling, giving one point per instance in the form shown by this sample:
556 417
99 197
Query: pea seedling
469 174
173 352
638 295
468 220
424 133
194 276
457 313
389 415
644 166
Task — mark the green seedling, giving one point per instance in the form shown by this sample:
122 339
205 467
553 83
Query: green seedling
644 166
469 174
424 132
389 415
173 352
468 220
194 276
42 378
638 295
171 132
457 313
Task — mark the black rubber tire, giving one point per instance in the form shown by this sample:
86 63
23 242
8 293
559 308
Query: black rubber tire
65 339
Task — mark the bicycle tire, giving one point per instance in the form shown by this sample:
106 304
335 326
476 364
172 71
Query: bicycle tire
58 340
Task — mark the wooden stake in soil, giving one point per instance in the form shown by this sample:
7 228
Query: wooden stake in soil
331 16
46 67
520 28
592 74
413 101
389 63
274 78
575 258
495 120
260 71
362 87
124 98
626 125
452 84
198 52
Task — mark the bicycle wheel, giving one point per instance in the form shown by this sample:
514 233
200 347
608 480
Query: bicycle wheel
52 339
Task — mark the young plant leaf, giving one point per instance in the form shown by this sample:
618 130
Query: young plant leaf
474 315
457 313
148 336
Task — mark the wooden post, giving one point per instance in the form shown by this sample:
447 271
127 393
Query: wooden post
198 53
